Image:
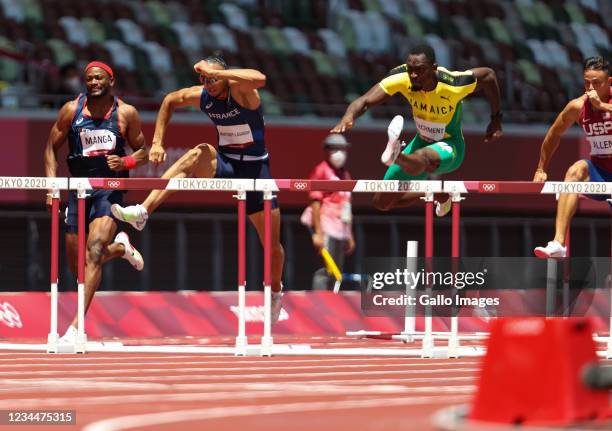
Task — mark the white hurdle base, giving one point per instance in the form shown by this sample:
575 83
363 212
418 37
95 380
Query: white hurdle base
438 352
251 350
418 335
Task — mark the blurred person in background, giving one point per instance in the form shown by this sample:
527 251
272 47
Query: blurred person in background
71 80
329 216
229 97
435 95
97 126
593 113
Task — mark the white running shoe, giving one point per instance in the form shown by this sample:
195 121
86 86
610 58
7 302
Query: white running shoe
553 249
443 208
69 337
136 215
394 145
131 254
276 306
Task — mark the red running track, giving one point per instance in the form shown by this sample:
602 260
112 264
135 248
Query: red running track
112 391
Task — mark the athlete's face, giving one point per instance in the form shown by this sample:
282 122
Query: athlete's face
598 80
98 82
421 72
216 87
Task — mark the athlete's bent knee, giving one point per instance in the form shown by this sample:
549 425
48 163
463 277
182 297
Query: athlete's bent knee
577 172
199 153
431 160
95 251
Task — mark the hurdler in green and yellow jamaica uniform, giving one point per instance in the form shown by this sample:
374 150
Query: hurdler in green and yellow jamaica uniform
437 116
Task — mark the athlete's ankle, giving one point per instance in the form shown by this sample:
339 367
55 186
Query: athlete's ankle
560 241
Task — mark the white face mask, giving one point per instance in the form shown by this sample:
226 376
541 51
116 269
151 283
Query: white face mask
337 158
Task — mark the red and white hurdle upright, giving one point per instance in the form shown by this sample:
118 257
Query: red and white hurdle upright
457 189
236 185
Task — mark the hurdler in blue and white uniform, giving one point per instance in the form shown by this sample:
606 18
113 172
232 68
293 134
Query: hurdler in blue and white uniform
97 126
230 99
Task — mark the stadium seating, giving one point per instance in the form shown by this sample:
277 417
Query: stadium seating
318 55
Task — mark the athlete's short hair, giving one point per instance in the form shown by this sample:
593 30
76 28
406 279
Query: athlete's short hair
597 63
426 50
216 58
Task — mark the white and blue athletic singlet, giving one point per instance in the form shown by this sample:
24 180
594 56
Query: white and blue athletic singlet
92 139
240 131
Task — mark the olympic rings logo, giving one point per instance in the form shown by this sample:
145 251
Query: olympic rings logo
113 184
489 187
300 185
9 316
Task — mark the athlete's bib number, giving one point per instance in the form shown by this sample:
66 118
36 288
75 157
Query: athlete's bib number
601 145
429 130
97 142
239 135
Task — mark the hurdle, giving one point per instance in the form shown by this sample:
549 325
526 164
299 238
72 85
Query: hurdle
458 188
53 186
238 186
428 188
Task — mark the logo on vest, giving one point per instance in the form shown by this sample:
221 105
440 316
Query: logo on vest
231 114
600 128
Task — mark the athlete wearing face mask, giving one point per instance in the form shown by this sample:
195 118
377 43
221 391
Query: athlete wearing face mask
329 215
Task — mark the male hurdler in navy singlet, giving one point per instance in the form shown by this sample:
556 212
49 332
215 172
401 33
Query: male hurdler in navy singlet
97 126
229 97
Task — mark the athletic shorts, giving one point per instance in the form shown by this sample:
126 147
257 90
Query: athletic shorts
598 175
258 169
451 151
97 204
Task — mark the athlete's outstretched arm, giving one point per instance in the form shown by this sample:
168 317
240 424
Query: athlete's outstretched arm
564 120
359 106
184 97
487 81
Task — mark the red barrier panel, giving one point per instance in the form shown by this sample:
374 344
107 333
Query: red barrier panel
161 314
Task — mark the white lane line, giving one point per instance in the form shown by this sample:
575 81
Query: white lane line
115 364
214 360
177 416
280 391
274 372
17 386
90 357
192 378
